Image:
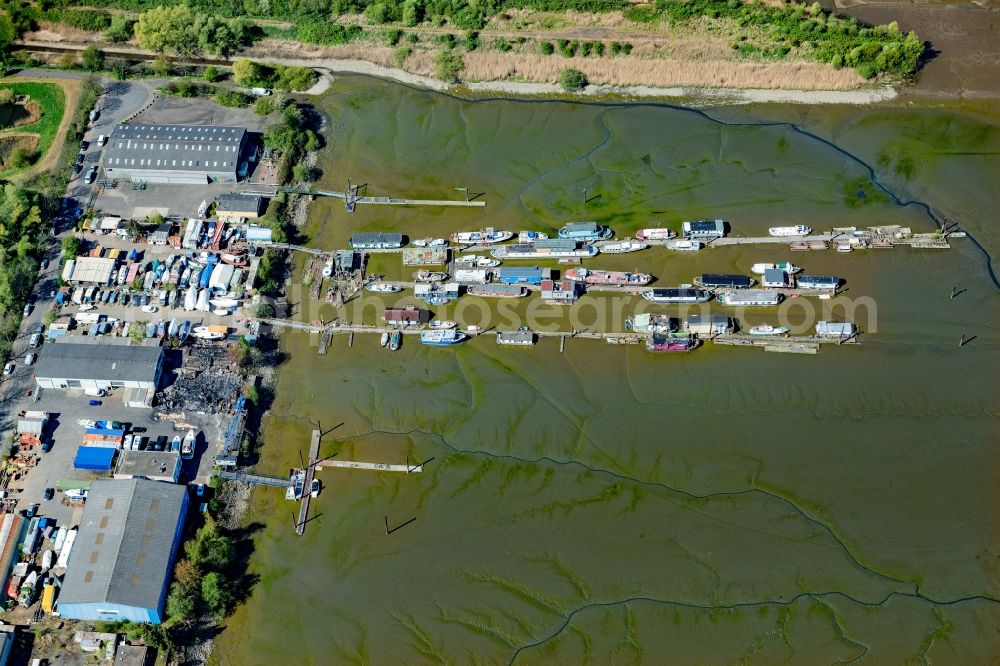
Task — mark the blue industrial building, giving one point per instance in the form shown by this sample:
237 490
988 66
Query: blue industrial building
124 552
584 231
522 275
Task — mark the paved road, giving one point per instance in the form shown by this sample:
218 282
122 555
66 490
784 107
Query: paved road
120 100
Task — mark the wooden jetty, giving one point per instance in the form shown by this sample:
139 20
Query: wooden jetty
309 473
374 467
382 201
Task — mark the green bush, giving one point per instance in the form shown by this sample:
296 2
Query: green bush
472 40
400 54
120 29
572 80
326 33
211 74
502 45
233 98
448 66
93 58
547 48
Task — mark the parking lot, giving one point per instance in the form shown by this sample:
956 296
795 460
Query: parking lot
17 390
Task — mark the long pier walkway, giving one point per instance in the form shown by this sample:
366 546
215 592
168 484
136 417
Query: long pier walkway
374 467
351 197
310 472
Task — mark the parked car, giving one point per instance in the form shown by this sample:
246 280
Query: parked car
43 264
91 175
99 392
47 446
161 443
36 340
84 144
8 369
77 169
95 114
80 158
29 358
199 490
49 494
27 308
38 328
31 511
101 140
94 403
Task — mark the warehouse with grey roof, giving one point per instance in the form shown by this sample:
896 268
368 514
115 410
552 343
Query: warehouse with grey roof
178 154
124 552
99 363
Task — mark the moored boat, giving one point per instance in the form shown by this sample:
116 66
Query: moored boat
187 446
430 242
497 290
618 278
328 268
86 423
621 247
683 245
482 237
786 266
532 251
430 276
477 261
60 539
660 233
664 296
383 288
531 236
797 230
395 340
175 444
441 324
384 340
767 329
671 342
234 259
442 338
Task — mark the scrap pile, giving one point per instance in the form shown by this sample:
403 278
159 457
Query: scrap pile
209 382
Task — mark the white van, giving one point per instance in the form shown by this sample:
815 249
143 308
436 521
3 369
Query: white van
96 392
29 358
101 140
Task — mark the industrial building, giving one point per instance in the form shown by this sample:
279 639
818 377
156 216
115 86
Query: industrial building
705 229
376 241
154 465
125 549
12 529
89 270
247 206
176 154
99 363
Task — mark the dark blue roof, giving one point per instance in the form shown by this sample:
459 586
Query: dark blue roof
94 457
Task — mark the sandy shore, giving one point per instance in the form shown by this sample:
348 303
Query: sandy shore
701 95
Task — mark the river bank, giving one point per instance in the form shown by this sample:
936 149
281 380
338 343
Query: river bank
602 503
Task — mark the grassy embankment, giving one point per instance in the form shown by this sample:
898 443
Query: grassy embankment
31 124
667 43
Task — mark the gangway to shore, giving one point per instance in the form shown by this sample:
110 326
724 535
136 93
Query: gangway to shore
255 478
